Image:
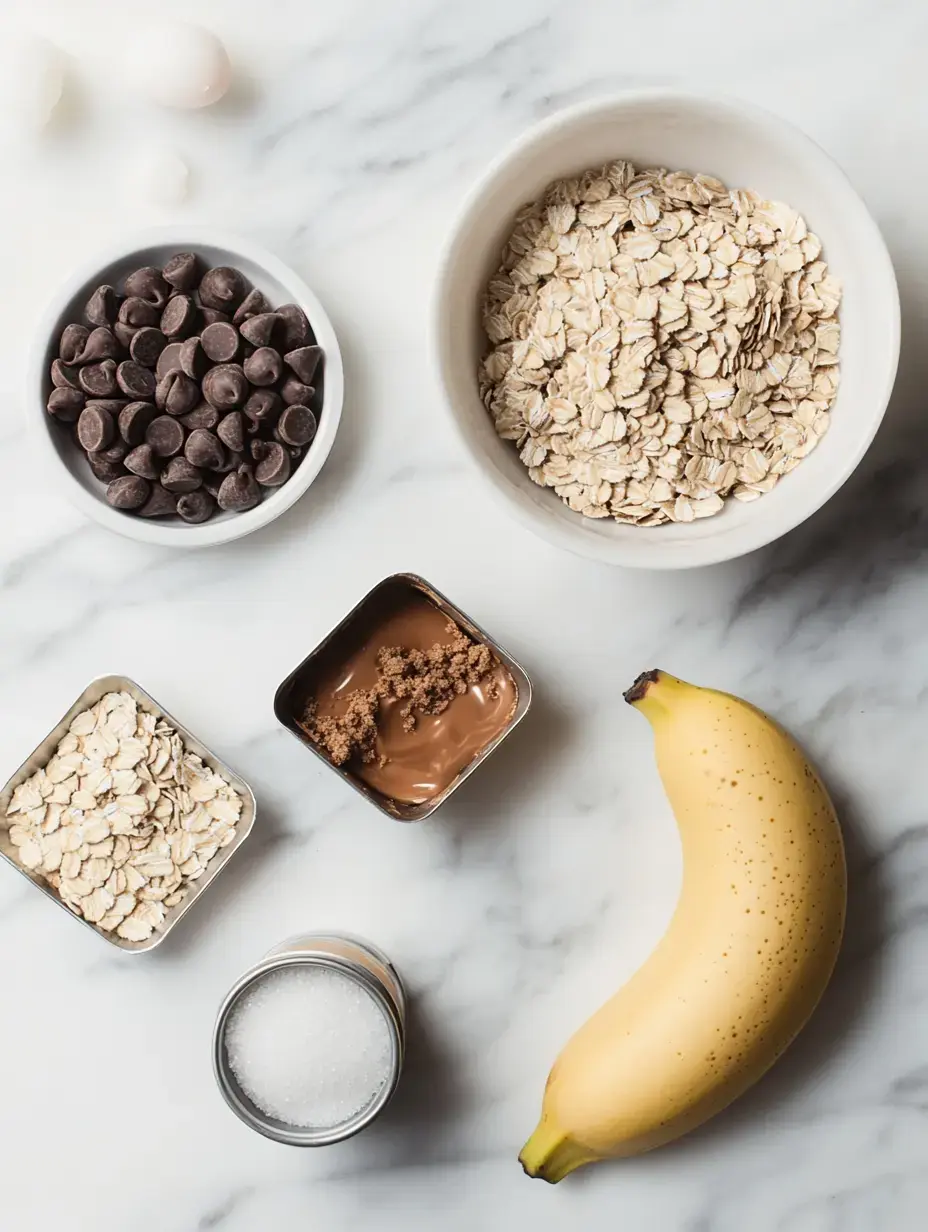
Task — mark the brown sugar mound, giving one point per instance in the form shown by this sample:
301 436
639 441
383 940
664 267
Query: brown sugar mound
426 681
429 680
353 732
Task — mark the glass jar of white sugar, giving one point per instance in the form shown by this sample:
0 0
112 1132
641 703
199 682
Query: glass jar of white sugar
308 1044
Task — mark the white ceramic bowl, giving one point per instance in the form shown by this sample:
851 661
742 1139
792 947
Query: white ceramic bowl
66 465
745 147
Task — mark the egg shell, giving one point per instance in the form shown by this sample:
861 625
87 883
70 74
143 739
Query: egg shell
31 83
177 64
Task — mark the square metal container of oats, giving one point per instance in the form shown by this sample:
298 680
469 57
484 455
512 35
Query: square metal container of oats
287 699
42 755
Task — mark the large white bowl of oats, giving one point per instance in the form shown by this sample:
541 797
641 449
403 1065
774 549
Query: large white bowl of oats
667 327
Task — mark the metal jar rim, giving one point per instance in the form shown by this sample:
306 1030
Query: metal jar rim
243 1107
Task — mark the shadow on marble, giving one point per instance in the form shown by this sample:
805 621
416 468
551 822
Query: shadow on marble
876 522
519 770
429 1099
269 831
244 95
421 1126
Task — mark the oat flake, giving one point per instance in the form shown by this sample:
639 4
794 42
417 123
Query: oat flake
659 343
117 843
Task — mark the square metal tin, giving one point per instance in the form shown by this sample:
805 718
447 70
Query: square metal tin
42 755
283 707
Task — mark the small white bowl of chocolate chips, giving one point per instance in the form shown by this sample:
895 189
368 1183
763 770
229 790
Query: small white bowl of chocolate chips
186 388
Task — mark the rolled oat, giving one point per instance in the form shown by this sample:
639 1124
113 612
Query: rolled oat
122 818
659 343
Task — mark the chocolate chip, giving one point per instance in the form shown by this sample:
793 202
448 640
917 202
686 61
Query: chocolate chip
202 416
182 271
292 390
264 366
304 362
95 429
147 345
263 408
101 308
220 342
181 476
99 380
117 452
225 386
63 376
100 344
274 468
252 305
193 360
204 449
168 360
138 312
159 505
161 387
133 421
176 393
124 334
130 492
178 317
231 462
144 461
232 431
212 316
65 404
296 426
105 469
112 406
259 330
222 288
296 327
165 435
239 491
73 340
196 506
135 381
148 283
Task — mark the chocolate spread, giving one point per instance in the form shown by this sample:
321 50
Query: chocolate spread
404 698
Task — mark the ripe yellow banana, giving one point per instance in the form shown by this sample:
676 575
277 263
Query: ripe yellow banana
746 957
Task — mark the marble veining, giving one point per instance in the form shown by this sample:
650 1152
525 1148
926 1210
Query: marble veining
350 137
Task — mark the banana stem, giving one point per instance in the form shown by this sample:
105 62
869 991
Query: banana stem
652 690
639 690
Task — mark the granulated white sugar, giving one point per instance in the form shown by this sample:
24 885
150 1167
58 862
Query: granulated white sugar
309 1046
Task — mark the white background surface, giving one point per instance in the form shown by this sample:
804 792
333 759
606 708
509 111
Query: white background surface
352 134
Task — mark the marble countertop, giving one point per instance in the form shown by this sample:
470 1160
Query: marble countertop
352 132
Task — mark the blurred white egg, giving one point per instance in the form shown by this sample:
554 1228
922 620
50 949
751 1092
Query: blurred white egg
162 177
177 64
31 82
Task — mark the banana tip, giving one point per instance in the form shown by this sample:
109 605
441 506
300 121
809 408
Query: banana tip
538 1171
550 1155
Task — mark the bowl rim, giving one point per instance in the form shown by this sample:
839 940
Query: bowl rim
570 535
176 535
